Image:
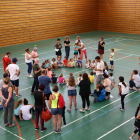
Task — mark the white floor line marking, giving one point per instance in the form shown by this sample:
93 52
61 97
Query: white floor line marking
115 128
86 115
11 133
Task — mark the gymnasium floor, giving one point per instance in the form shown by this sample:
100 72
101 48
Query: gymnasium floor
105 121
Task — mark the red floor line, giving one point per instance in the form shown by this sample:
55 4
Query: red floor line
36 130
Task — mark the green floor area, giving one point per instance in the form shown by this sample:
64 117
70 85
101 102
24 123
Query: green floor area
104 121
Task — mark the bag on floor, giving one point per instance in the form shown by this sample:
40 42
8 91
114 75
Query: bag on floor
46 115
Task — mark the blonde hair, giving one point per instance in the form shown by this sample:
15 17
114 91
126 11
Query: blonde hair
106 66
80 76
7 80
66 37
71 81
18 103
89 60
61 75
71 74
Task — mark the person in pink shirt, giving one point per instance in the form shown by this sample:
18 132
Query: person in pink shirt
49 72
34 54
61 79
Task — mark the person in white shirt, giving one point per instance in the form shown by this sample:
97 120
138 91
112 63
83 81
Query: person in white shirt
134 82
14 71
28 61
99 71
123 90
78 41
25 111
79 78
83 50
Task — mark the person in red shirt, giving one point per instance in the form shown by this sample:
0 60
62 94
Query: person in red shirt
65 61
6 60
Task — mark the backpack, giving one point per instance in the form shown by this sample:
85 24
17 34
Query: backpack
61 101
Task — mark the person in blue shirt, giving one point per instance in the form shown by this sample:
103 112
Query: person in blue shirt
17 108
43 79
79 62
76 52
99 95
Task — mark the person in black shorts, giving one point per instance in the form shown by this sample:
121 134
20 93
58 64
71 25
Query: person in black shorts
58 47
101 45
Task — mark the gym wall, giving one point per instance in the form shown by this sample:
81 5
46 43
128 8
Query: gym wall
24 21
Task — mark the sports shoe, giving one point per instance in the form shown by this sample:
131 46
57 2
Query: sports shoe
81 110
121 109
130 138
134 88
44 129
59 131
18 95
76 108
55 131
30 76
88 109
68 110
36 128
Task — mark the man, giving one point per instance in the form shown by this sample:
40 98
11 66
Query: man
37 73
43 79
6 60
99 71
58 47
14 71
134 82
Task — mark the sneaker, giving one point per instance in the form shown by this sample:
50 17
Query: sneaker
68 110
18 95
130 138
59 131
88 109
134 88
121 109
36 128
81 110
76 108
30 76
44 129
55 131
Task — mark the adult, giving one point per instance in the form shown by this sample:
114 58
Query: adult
6 60
26 110
134 82
101 45
37 73
83 50
67 46
14 71
99 71
85 92
58 47
38 96
34 54
28 61
78 41
8 102
55 110
43 79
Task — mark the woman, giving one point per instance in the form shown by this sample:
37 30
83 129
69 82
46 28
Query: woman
26 110
67 46
38 96
34 54
83 50
85 92
123 91
107 84
137 130
58 47
28 61
8 102
71 85
101 45
55 110
78 41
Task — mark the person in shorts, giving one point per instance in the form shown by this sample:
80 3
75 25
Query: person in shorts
101 45
58 47
76 52
78 41
112 59
99 71
79 62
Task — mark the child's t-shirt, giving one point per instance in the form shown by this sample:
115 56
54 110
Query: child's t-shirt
53 62
111 78
61 80
49 74
93 65
72 63
91 77
47 65
65 62
58 62
79 61
16 111
102 96
78 80
75 51
54 79
112 54
106 72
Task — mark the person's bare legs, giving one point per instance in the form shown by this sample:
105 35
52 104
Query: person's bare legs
70 102
55 121
97 86
59 121
138 137
57 57
132 135
112 67
60 57
74 100
16 90
101 56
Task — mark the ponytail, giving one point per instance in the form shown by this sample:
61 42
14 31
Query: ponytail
121 78
124 84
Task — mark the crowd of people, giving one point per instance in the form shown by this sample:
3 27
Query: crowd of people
44 74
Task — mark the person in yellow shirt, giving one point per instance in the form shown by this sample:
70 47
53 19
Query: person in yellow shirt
91 77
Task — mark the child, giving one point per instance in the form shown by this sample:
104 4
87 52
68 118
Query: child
71 63
71 74
93 65
71 85
59 64
111 78
75 51
79 78
65 61
105 69
54 79
91 77
43 65
61 79
79 63
47 63
123 90
17 107
54 64
49 72
99 94
88 65
1 106
111 59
